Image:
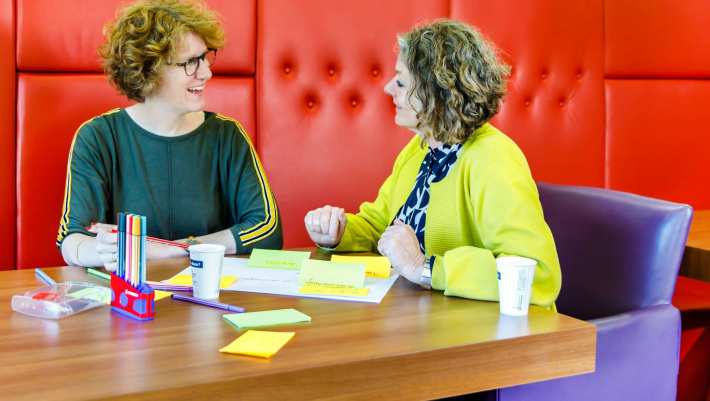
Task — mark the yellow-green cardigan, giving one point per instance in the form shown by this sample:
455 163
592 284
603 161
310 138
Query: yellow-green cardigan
486 206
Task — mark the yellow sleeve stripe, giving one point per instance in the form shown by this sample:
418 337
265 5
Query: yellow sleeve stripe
271 215
66 205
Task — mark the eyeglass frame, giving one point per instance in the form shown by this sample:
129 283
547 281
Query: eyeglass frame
202 57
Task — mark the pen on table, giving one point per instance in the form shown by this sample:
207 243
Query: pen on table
98 274
167 282
151 239
205 302
168 287
43 277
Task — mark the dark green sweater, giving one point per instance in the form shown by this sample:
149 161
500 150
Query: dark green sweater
198 183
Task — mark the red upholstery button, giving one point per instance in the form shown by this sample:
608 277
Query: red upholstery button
353 103
287 69
543 75
375 72
310 104
579 74
331 71
562 102
528 102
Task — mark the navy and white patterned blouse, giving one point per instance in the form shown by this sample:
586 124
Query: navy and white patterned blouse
434 168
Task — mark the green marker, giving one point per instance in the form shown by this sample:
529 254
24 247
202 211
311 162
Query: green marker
98 274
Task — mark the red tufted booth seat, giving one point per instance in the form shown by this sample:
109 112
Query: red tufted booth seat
7 134
60 85
606 93
589 103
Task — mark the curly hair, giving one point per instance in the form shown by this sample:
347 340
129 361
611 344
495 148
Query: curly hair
145 36
456 75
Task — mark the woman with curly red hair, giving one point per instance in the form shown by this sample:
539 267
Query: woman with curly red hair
193 173
460 193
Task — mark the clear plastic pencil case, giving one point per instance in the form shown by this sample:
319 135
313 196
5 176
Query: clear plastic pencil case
61 300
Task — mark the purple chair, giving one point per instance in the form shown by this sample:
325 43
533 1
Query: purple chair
620 255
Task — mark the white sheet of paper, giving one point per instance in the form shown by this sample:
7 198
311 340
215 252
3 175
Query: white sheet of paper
285 282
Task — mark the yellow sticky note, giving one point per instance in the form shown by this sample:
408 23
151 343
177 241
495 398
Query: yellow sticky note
263 344
375 266
226 281
180 279
184 279
333 289
324 272
161 294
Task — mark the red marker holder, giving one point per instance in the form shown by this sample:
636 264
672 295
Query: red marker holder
136 303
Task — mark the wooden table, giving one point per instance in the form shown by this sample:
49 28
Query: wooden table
416 344
696 260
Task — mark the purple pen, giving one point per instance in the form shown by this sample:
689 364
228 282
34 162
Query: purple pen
170 287
205 302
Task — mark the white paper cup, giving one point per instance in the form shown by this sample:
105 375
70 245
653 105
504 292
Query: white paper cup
515 277
206 263
512 326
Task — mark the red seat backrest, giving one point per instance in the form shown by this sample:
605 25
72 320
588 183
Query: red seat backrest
326 131
593 99
555 106
7 134
60 85
658 98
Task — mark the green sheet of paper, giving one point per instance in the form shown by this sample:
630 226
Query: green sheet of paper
276 259
322 272
265 318
101 294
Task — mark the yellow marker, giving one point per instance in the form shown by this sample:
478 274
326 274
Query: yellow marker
263 344
375 266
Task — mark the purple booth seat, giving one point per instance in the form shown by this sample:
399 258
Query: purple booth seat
620 255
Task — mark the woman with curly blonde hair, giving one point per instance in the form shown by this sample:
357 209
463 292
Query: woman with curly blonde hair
193 173
460 193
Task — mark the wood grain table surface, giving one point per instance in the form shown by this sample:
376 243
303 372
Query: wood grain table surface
416 344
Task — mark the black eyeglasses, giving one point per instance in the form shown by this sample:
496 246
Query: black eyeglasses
192 65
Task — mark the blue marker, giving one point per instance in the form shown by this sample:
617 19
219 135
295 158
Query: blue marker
144 233
121 245
43 277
